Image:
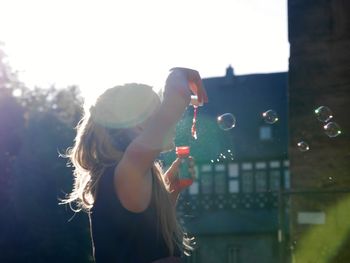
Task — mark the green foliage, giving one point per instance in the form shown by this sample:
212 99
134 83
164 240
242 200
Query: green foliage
35 125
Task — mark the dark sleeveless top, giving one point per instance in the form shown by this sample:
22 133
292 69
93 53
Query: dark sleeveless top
122 236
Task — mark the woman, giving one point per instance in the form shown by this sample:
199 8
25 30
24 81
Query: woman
131 204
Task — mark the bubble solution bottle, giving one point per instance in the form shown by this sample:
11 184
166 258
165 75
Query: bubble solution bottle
183 152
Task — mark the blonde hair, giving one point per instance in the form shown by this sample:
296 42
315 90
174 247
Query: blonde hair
93 151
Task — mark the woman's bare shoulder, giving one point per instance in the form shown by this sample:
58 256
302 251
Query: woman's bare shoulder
134 191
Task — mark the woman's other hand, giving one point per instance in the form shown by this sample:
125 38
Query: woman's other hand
173 183
187 80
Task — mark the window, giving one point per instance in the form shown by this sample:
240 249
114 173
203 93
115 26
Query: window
219 168
207 183
265 133
220 183
206 168
286 179
260 181
286 163
194 188
260 165
247 166
233 170
233 186
247 182
274 180
274 164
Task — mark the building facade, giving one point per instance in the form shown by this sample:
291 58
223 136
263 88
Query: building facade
232 208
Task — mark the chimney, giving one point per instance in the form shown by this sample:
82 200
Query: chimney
230 74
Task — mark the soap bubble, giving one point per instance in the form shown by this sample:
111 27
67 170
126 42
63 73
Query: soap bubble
270 116
226 121
332 129
303 146
323 113
230 155
222 156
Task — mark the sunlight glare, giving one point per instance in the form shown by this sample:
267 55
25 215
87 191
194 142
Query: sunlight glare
96 45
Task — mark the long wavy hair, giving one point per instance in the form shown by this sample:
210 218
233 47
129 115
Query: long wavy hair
100 142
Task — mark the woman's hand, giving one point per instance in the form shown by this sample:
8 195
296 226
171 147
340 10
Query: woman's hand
195 83
172 181
185 80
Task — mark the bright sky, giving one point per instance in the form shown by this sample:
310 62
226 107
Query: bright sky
98 44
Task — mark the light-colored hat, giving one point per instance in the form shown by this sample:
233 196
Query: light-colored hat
125 106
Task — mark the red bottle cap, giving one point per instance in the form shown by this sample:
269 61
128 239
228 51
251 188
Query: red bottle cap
182 151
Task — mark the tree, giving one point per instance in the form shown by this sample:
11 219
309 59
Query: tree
11 128
35 125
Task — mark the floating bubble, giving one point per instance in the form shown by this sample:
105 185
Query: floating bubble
226 121
223 156
270 116
332 129
303 146
211 161
231 155
323 113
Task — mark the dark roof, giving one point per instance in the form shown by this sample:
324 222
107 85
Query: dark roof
246 97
